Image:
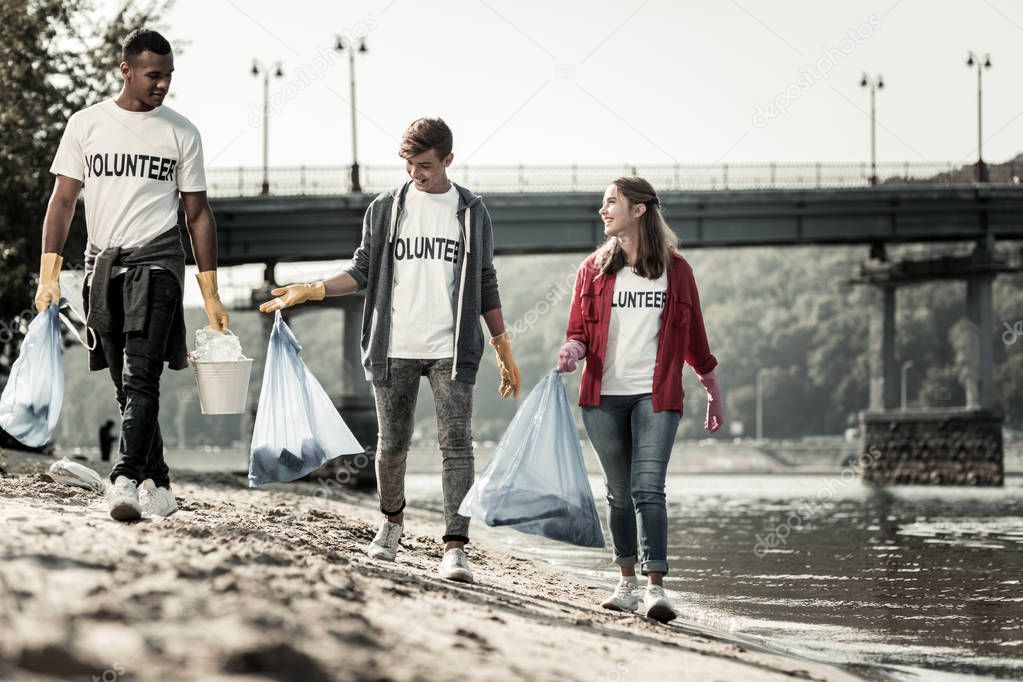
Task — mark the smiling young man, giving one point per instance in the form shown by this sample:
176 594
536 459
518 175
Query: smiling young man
426 263
134 157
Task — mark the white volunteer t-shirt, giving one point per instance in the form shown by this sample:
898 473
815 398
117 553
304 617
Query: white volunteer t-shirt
132 164
426 250
636 310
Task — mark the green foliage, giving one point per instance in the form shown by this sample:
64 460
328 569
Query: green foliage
58 56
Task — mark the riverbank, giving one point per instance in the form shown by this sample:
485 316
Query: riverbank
688 457
273 584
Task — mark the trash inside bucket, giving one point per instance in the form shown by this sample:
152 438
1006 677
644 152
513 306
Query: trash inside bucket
223 386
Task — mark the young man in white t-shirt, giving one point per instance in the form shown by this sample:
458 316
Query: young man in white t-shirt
133 157
426 264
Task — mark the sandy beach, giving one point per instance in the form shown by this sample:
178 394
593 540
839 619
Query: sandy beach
273 584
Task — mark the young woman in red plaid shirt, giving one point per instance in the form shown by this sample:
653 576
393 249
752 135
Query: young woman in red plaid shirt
636 320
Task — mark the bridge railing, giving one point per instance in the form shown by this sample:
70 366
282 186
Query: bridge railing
333 180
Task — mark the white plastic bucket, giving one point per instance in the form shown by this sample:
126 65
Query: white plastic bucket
223 386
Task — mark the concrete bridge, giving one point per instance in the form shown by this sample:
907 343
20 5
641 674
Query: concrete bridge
301 228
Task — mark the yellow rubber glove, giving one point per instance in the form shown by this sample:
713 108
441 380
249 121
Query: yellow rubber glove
49 280
215 310
511 380
294 294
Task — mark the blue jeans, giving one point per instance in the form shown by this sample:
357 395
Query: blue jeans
136 363
634 444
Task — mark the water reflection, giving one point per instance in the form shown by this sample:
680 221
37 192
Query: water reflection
924 577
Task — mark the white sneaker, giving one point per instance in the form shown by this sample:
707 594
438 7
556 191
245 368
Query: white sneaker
656 604
123 500
455 566
625 596
156 501
385 544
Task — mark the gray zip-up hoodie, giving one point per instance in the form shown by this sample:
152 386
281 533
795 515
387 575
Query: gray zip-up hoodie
372 268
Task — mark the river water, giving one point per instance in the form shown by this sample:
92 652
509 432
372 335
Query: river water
907 583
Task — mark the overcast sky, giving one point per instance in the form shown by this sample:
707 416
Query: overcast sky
660 81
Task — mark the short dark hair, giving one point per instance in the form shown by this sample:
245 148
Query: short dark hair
425 134
142 39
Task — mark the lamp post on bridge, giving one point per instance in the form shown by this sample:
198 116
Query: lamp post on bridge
874 84
981 64
341 46
257 69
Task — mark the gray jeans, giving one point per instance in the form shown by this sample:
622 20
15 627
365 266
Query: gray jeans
396 411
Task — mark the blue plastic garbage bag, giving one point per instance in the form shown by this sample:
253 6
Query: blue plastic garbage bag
297 427
32 398
536 481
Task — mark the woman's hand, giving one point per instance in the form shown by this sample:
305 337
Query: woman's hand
715 405
569 355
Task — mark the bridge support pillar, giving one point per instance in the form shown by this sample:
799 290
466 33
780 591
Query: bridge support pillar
947 447
980 386
881 348
952 446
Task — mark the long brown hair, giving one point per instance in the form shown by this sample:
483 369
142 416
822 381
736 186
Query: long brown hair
656 241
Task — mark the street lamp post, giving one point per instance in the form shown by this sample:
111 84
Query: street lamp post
257 69
760 402
874 84
981 64
340 46
905 367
